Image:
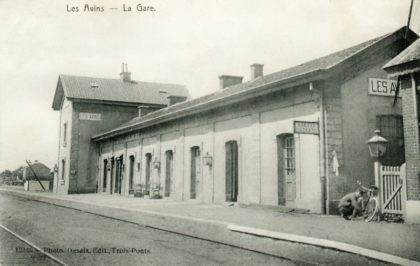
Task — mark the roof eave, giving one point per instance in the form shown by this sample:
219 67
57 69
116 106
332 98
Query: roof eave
403 68
252 92
114 102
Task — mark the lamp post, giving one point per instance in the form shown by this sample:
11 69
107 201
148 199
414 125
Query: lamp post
377 149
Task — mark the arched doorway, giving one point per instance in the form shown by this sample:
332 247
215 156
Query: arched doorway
168 172
195 172
131 174
118 175
104 175
232 171
286 168
148 173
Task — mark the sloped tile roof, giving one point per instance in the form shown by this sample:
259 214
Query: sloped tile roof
401 63
102 89
314 66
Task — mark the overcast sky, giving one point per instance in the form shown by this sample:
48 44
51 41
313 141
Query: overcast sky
186 42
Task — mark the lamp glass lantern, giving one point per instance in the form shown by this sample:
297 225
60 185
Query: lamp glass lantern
208 159
377 145
156 163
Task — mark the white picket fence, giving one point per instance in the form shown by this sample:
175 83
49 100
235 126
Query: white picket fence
392 187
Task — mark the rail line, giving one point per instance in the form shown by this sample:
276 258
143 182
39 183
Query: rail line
32 245
301 262
145 226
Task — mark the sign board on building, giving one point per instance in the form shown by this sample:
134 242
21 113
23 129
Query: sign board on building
383 87
303 127
89 116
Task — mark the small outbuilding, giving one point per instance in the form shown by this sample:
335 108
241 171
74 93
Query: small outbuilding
43 174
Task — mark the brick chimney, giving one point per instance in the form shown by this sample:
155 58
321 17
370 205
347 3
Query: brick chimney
172 99
144 110
256 71
125 76
226 81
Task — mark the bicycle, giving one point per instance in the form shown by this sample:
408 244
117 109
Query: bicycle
370 205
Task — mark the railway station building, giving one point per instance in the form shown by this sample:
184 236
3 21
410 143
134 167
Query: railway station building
89 106
293 138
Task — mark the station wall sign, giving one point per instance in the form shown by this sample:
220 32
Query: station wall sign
89 116
383 87
303 127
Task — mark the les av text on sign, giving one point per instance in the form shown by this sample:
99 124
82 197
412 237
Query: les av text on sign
383 87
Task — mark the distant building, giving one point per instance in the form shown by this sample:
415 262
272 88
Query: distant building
89 106
294 138
406 66
40 169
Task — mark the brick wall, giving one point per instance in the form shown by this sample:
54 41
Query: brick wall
411 140
83 154
351 119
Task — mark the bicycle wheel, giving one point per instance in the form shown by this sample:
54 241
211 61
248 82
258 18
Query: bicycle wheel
371 209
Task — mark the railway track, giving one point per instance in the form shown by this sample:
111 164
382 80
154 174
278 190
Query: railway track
17 250
294 260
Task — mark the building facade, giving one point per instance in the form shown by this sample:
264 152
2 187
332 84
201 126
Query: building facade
89 106
294 138
406 67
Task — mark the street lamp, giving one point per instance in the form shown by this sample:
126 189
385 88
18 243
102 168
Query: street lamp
156 163
377 148
377 145
208 159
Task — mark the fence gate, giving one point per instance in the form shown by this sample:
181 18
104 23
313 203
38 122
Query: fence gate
393 195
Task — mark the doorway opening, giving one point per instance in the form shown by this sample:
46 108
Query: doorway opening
130 174
286 168
148 172
168 172
104 175
118 175
195 172
232 171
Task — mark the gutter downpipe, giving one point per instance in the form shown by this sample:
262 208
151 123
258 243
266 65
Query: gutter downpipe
323 153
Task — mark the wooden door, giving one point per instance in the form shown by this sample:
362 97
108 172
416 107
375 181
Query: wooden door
118 175
290 167
148 172
195 172
168 172
112 176
232 171
286 169
105 175
131 174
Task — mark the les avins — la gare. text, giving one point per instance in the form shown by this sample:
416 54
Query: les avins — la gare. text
95 8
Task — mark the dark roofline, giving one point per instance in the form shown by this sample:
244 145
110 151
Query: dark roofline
57 106
167 114
120 103
242 95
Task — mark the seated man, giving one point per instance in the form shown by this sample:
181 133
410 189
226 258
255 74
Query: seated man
350 204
